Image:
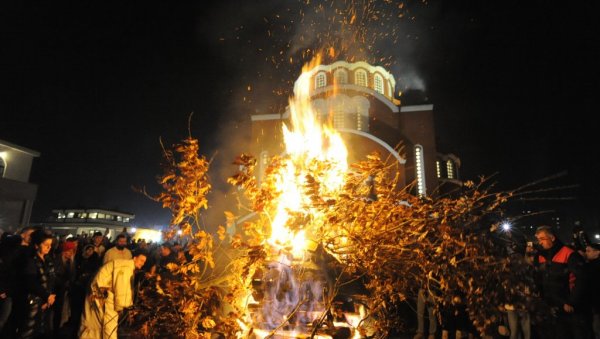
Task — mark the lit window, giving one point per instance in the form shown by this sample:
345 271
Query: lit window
438 169
360 78
61 215
338 119
93 215
119 218
378 84
450 169
81 215
101 216
125 219
340 76
320 80
420 171
70 215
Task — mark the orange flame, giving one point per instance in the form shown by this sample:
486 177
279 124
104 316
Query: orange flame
307 142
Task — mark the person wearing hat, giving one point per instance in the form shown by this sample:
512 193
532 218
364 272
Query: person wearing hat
64 266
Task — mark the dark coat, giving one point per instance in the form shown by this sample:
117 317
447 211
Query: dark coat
39 281
593 271
561 275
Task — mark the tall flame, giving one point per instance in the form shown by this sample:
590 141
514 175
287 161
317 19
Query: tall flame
309 142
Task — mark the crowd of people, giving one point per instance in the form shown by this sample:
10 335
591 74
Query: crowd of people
73 287
79 287
566 277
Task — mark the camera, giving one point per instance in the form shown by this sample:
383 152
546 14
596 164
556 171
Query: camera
580 238
531 249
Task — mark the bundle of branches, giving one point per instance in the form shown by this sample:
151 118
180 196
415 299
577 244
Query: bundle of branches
398 242
378 231
189 300
449 245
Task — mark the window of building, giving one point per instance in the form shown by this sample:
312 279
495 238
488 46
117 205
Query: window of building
420 171
338 119
70 215
101 216
450 169
93 215
341 76
360 78
82 215
438 168
61 215
125 219
320 80
379 84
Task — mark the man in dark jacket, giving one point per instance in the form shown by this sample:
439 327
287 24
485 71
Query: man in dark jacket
562 283
592 254
167 256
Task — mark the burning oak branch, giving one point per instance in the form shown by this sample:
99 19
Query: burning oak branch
397 243
191 300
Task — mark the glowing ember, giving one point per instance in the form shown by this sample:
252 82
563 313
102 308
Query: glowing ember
287 334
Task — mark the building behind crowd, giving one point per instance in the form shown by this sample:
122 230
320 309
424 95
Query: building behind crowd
17 194
87 221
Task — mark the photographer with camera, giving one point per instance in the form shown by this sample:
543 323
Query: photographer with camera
562 283
592 257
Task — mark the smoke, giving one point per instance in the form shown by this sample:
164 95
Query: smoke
264 46
410 80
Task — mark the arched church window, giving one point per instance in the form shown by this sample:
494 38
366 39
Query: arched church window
320 80
360 78
341 76
379 84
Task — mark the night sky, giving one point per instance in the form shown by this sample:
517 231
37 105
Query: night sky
93 86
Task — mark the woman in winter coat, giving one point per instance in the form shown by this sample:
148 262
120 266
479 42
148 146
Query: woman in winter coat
39 284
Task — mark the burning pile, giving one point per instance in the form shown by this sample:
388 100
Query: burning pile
292 287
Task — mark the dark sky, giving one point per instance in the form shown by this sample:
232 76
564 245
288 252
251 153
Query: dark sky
94 85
